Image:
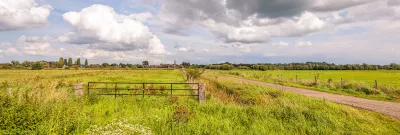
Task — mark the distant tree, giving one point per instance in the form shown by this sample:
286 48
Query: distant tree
78 62
15 63
65 62
145 63
185 64
60 62
105 65
37 66
114 65
122 65
26 64
86 63
129 65
70 63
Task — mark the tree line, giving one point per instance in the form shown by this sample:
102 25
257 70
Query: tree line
302 66
68 63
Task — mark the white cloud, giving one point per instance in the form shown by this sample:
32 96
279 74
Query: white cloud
256 24
303 43
142 17
236 47
182 49
102 28
281 43
248 32
36 45
269 54
126 56
22 14
8 49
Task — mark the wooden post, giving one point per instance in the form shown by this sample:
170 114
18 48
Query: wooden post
115 90
202 93
143 89
171 91
316 81
78 89
296 78
376 84
341 82
88 87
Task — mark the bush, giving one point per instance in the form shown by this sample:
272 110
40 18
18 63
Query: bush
37 66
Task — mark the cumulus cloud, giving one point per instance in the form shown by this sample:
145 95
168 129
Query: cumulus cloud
372 11
35 45
125 56
102 28
281 43
248 33
303 43
237 47
253 21
7 49
180 48
393 2
22 14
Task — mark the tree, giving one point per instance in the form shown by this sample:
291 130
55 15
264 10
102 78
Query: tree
70 63
78 62
65 62
105 64
122 65
185 64
60 62
37 66
86 63
145 63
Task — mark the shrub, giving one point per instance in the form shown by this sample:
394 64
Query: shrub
193 73
37 66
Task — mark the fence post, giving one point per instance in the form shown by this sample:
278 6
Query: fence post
202 93
341 82
376 84
171 91
143 89
316 80
296 78
78 89
115 90
88 87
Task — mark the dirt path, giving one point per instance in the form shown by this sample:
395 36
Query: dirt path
387 108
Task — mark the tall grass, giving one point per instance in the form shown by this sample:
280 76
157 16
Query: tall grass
355 83
47 105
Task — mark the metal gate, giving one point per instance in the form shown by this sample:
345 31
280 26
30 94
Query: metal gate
142 89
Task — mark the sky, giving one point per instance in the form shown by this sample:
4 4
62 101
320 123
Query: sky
201 31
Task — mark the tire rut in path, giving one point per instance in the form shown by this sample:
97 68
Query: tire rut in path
387 108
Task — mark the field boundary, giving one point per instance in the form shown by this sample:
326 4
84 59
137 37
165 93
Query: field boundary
386 108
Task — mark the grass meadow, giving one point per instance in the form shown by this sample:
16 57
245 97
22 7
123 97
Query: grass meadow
43 102
355 83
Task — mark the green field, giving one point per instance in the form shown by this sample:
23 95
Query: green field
43 102
356 83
